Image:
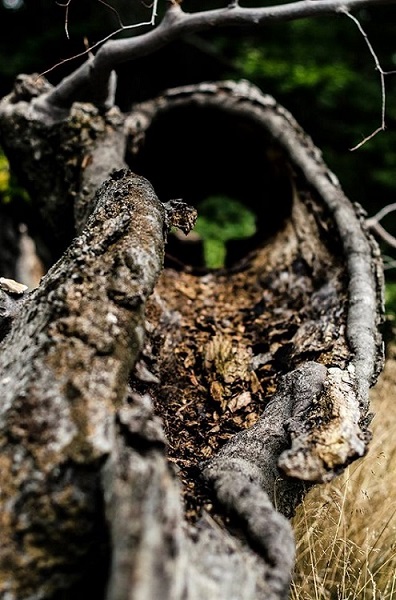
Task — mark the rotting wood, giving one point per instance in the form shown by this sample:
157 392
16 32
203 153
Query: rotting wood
259 372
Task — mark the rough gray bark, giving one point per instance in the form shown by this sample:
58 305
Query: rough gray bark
109 343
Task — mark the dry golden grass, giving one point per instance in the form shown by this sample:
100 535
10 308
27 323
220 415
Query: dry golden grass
346 530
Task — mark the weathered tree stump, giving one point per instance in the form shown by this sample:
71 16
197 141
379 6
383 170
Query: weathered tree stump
161 424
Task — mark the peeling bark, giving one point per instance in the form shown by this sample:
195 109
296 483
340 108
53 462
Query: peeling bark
163 423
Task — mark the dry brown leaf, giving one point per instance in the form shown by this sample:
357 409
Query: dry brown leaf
216 391
240 401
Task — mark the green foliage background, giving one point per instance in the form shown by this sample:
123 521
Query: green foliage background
322 71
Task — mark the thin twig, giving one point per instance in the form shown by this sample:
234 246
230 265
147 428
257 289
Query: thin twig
66 7
383 234
367 138
373 223
154 12
389 263
382 74
88 51
381 214
115 11
121 27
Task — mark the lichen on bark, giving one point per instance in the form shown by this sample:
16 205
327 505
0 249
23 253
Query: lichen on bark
158 419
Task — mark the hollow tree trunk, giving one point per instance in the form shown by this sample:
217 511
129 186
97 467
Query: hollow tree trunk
160 425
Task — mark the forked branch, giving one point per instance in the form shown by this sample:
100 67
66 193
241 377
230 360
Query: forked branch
92 78
373 223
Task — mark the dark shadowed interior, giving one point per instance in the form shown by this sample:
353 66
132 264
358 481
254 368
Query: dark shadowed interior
193 152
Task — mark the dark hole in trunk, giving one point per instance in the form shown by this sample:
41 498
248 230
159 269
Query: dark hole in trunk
194 152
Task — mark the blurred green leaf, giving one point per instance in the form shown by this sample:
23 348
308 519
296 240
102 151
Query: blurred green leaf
9 187
220 219
4 177
390 298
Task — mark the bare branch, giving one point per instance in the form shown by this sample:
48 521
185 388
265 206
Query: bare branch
389 262
367 138
383 234
66 7
373 223
381 214
94 75
382 74
89 49
382 77
154 12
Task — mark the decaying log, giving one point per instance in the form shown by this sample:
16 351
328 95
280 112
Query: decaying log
345 267
64 367
161 424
